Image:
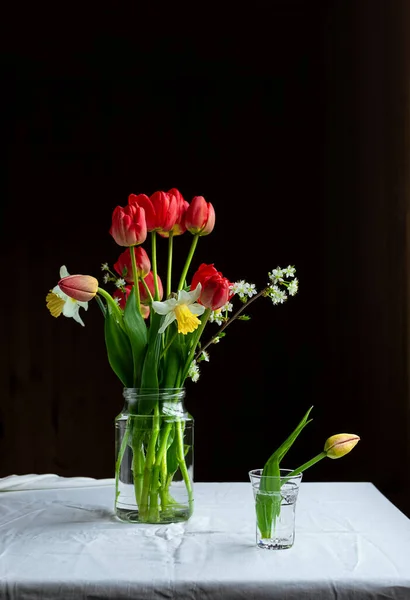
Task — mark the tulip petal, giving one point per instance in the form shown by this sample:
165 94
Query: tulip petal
210 224
59 292
340 444
63 304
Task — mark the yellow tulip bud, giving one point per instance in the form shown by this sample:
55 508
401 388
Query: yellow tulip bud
338 445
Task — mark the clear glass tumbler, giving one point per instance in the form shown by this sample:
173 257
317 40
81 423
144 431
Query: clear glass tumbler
275 505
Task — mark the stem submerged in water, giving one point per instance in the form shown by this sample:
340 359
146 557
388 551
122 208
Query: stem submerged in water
149 463
183 467
159 442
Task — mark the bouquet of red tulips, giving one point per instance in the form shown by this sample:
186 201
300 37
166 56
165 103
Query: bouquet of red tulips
154 325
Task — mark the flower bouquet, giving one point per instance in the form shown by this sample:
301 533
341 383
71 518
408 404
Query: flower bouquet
154 333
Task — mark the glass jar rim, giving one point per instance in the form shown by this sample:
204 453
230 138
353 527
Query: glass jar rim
153 390
153 395
258 475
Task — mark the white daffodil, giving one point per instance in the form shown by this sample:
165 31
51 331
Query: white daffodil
58 302
184 309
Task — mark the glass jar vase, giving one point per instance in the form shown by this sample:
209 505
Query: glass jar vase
154 437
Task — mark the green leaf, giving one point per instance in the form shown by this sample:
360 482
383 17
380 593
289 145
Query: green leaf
267 511
118 347
149 376
272 464
173 361
268 499
137 332
101 305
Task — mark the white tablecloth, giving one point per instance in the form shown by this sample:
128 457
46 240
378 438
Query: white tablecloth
63 542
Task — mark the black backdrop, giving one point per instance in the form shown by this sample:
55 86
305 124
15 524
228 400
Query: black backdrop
292 121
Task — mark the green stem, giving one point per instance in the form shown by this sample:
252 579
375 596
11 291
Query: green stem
182 465
114 308
196 339
135 277
147 290
159 465
119 459
169 268
306 465
154 262
163 444
164 476
235 316
168 344
188 262
149 462
137 463
101 305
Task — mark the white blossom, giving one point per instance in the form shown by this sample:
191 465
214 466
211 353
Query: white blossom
289 271
276 276
105 267
216 316
227 307
193 371
277 295
293 287
120 282
106 278
243 289
205 356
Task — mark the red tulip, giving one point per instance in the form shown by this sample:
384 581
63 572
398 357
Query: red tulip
80 287
182 206
149 280
123 265
128 225
161 210
123 297
145 310
200 216
215 287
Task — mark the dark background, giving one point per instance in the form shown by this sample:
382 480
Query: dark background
291 118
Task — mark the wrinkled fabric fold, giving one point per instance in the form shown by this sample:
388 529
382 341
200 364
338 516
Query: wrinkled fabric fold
14 483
